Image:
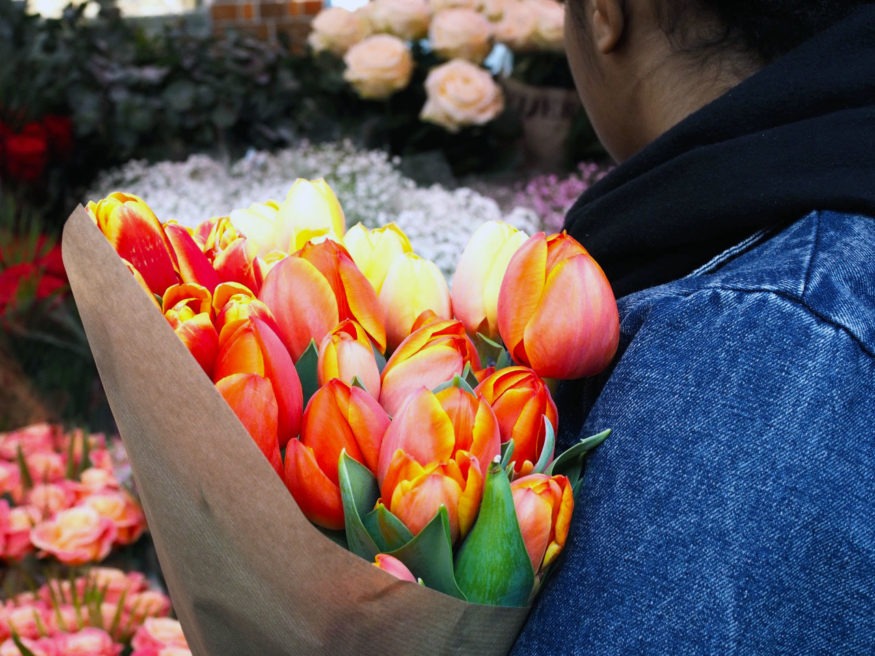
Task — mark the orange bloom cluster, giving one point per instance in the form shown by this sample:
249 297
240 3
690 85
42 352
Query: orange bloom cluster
331 344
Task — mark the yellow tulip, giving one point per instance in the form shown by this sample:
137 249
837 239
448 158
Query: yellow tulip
311 209
479 273
374 250
412 285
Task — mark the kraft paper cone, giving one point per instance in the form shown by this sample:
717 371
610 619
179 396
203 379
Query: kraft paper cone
247 573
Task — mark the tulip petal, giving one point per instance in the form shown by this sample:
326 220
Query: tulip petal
316 494
252 399
520 294
192 264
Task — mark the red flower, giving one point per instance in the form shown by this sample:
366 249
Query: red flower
60 134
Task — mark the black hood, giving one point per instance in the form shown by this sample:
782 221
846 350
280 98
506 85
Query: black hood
797 136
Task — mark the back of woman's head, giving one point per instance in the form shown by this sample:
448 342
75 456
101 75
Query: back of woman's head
761 29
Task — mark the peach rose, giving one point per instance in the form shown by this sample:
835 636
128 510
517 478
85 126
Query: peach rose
378 66
124 512
50 498
406 19
16 527
336 30
148 603
89 641
75 536
440 5
517 26
550 25
460 34
460 94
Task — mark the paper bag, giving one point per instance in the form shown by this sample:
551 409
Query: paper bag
247 572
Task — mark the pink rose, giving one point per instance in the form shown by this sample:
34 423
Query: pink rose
37 437
26 621
39 647
50 498
16 527
89 641
124 512
75 536
10 480
45 466
157 633
149 603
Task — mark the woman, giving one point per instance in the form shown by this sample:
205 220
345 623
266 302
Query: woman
731 510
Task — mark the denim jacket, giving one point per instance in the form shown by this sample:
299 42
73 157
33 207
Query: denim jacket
731 509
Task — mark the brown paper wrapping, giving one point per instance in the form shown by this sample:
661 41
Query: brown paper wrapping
247 573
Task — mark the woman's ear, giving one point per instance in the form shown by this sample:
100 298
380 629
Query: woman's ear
609 23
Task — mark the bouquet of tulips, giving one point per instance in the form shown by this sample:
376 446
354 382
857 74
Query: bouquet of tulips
406 421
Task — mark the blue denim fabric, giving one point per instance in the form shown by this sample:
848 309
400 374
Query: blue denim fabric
731 510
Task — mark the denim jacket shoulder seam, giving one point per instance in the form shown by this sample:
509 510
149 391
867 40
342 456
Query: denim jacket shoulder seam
794 299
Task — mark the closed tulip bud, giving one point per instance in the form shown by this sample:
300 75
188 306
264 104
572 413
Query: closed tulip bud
311 209
556 311
253 400
251 346
138 237
435 453
347 353
339 417
394 566
479 273
411 286
521 401
429 357
188 310
373 251
543 505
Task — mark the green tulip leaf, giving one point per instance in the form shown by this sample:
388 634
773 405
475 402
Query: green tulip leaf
506 454
307 370
455 381
380 358
386 529
429 555
546 450
491 352
504 360
570 462
492 565
359 492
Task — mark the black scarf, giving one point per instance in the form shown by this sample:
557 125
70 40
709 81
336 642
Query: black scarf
797 136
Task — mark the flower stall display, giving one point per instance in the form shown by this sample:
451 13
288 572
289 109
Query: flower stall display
418 70
330 393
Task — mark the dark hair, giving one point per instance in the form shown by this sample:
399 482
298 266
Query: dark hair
763 29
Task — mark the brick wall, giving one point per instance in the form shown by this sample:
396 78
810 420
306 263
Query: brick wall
267 19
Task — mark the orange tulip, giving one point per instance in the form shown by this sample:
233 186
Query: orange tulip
430 356
347 353
435 453
338 417
251 346
412 285
356 298
521 401
138 237
556 310
187 309
479 273
252 399
543 505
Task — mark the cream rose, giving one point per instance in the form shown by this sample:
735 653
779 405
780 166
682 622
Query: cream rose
550 25
75 536
459 94
460 34
378 66
336 30
406 19
517 26
440 5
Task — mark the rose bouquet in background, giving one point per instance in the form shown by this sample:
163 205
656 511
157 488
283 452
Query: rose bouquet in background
412 423
421 68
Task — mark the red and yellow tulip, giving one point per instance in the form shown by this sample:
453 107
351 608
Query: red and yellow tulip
435 453
521 400
339 417
543 505
138 237
348 353
253 400
479 273
430 356
556 310
188 310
